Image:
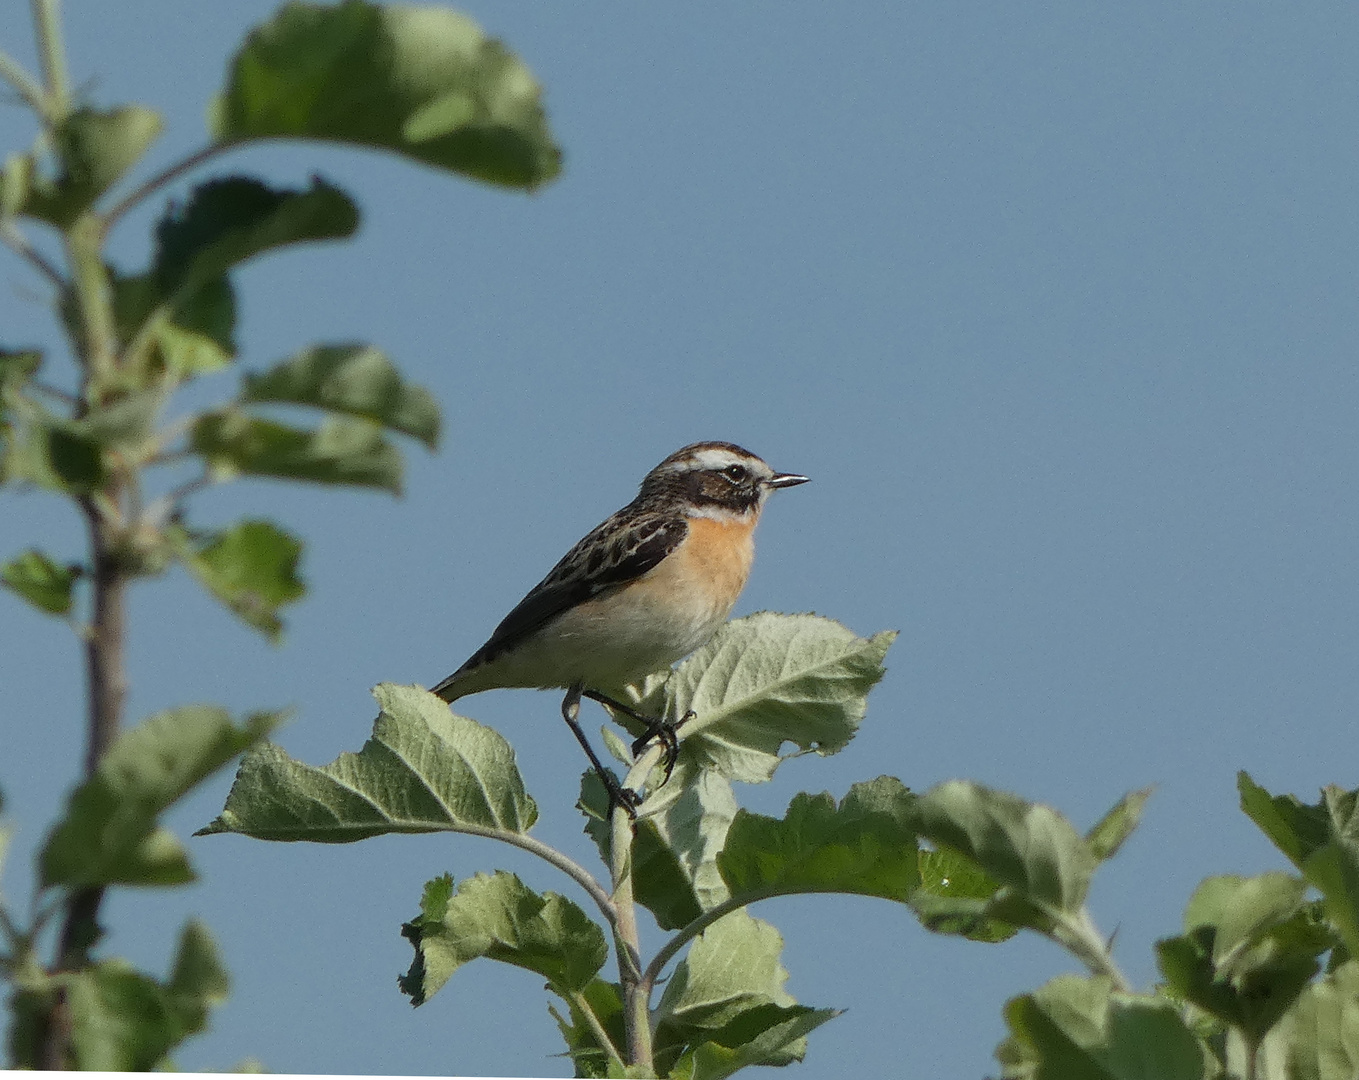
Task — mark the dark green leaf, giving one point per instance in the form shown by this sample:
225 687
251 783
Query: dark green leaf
1117 825
353 379
954 897
1294 828
865 846
1075 1028
109 834
421 81
499 917
50 451
424 770
229 221
1321 840
340 451
251 567
1027 846
583 1046
763 1035
192 334
40 581
95 148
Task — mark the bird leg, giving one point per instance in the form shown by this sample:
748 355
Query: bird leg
618 794
657 727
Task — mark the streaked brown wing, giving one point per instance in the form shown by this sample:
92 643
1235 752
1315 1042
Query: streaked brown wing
595 565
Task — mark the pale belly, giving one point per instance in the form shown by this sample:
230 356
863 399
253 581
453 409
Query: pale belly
619 637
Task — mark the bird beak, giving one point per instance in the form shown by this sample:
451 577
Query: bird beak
787 479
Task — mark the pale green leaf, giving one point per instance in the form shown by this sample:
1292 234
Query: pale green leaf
675 841
109 835
424 769
1027 846
1075 1028
94 148
421 81
768 680
354 379
1109 833
497 916
40 581
1321 1033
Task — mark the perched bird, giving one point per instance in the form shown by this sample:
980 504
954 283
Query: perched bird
642 590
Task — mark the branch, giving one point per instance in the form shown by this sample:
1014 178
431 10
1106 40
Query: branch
165 176
18 243
52 55
579 1001
24 84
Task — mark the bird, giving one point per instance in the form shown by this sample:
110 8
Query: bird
639 592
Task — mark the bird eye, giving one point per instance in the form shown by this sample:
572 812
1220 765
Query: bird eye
735 473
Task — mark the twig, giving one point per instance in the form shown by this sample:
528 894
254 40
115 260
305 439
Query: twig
165 176
52 56
19 244
24 84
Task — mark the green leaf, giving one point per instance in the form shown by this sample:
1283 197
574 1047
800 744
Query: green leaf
1076 1028
1322 1031
17 366
1248 950
95 148
954 897
109 835
40 581
766 680
228 221
675 842
251 568
605 1002
120 1019
17 180
760 1036
865 846
340 451
728 990
1109 833
191 334
1026 846
353 379
1293 827
1321 840
421 81
50 451
499 917
424 770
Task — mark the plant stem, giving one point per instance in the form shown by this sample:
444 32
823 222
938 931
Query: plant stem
636 1001
52 55
165 176
24 84
1080 937
579 1001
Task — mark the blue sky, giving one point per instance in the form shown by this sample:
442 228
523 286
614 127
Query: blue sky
1055 302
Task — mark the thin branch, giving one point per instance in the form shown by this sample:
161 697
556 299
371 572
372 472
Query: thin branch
52 55
25 85
1078 935
165 176
564 863
55 392
18 243
579 1001
686 935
